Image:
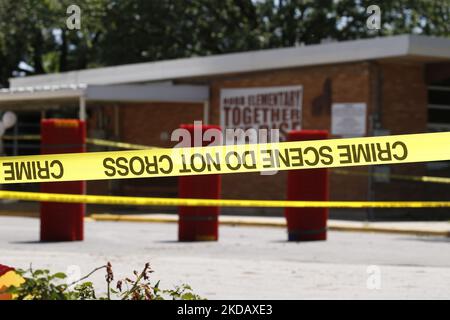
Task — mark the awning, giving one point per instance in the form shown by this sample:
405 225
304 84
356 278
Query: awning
39 96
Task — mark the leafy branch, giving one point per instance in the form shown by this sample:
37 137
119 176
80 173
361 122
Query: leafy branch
42 285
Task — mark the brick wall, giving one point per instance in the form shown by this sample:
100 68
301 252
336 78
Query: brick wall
147 124
398 88
152 124
404 97
404 110
349 83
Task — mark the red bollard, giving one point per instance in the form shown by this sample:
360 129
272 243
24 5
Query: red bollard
305 224
62 221
199 223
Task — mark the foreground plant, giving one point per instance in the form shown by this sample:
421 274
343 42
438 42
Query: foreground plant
43 285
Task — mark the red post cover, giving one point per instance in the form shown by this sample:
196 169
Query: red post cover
305 224
199 223
62 221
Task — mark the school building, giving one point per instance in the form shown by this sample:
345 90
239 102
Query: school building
379 86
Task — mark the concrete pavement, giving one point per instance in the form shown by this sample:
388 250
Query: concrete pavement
423 228
247 262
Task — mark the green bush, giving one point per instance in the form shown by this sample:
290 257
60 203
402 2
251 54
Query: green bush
43 285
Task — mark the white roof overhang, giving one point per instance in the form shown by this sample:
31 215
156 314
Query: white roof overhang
425 48
162 92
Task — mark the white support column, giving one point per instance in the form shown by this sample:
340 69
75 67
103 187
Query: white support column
82 107
205 112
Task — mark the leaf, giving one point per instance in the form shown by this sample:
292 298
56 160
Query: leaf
188 296
59 275
39 272
186 287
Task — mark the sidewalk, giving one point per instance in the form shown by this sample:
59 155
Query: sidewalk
246 263
415 228
418 228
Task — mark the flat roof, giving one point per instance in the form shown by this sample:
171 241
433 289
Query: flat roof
414 46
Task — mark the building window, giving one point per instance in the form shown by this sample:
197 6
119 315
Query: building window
439 120
438 108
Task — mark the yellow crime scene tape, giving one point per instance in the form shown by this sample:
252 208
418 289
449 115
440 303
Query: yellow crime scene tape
226 159
428 179
144 201
132 146
116 144
22 137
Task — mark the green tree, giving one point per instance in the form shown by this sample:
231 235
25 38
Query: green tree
34 38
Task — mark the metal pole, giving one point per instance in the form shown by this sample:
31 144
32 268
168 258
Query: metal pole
82 108
375 123
15 141
206 112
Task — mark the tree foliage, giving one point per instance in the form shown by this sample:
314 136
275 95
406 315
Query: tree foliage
34 38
